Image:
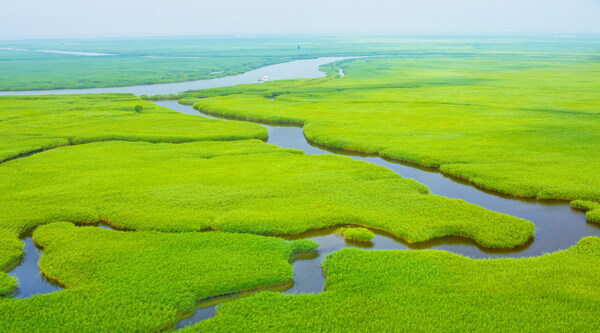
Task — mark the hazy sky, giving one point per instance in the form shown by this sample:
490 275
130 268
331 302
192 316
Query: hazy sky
92 18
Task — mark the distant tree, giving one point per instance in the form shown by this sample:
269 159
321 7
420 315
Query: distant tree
138 108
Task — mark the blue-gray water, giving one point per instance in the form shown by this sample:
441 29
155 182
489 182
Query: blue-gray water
31 281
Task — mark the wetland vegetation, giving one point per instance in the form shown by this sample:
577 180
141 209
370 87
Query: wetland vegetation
205 207
236 186
33 123
498 122
357 234
10 250
135 61
431 290
142 281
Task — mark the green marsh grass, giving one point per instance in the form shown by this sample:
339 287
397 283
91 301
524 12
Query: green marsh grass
11 249
524 126
34 123
431 291
142 281
163 60
237 186
357 234
43 71
592 209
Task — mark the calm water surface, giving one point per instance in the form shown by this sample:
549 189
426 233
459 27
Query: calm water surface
31 280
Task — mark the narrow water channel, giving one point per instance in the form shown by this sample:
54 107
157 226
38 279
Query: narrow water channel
31 280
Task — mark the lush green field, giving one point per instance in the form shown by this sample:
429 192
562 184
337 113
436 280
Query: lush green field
431 291
10 250
142 281
524 126
40 122
240 186
162 60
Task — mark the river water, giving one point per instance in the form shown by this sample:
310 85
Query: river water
288 70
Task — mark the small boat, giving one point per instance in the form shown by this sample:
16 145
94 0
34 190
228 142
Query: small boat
264 78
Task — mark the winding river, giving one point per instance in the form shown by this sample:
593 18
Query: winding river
284 71
558 225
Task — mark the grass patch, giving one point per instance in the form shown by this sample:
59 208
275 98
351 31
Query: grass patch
11 248
523 126
356 234
35 123
431 291
238 186
592 209
142 281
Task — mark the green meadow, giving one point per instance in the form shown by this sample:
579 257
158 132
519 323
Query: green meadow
431 291
524 126
119 281
33 123
239 186
10 250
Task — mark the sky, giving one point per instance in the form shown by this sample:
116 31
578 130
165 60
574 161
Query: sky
21 19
